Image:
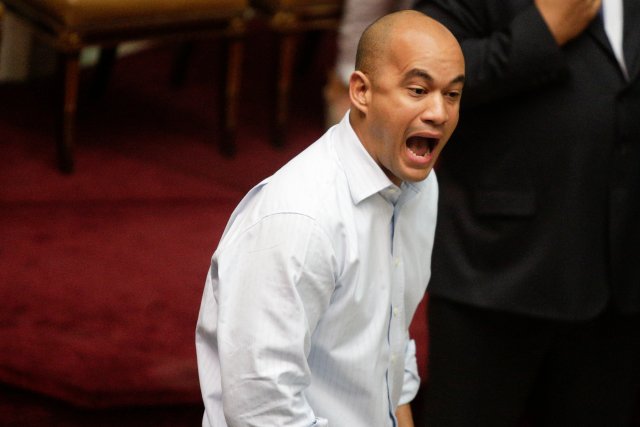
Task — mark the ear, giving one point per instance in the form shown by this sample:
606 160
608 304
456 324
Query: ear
360 91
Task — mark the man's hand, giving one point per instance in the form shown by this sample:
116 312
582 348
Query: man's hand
566 19
404 416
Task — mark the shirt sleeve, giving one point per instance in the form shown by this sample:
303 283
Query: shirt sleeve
411 376
275 280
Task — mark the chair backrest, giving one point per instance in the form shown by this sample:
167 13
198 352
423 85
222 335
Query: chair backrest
317 13
74 23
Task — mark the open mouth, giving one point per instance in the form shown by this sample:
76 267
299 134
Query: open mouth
421 146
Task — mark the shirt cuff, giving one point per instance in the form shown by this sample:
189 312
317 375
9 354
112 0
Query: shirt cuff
411 376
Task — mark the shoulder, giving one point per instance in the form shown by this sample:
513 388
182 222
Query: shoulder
310 184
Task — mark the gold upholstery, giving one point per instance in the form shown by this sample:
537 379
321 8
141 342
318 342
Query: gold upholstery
289 18
303 10
100 15
70 25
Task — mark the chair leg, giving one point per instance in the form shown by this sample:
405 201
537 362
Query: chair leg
66 126
288 44
181 63
104 67
235 52
308 49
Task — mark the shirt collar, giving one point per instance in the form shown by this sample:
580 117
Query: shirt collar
364 175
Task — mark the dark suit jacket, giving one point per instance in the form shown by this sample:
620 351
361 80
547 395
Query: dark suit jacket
540 184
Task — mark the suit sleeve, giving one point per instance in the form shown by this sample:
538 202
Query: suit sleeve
508 50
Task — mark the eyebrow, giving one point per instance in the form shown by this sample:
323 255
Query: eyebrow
418 72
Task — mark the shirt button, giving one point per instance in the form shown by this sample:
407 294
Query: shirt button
395 311
392 359
396 262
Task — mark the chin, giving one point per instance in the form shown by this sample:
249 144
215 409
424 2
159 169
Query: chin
418 175
415 177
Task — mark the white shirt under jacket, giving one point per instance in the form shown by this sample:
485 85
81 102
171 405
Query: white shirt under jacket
306 308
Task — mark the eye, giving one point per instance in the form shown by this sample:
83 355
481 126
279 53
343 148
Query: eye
417 90
454 95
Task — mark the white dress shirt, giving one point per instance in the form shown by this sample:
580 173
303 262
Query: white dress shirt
613 18
306 308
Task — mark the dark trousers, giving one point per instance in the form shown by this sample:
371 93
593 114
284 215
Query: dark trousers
493 369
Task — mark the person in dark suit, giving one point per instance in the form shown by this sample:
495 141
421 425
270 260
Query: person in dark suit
535 292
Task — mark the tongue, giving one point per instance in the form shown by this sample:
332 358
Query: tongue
418 146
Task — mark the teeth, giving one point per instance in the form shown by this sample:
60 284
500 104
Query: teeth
419 146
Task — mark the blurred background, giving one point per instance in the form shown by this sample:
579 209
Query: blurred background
104 249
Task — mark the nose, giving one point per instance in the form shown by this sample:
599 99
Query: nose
435 111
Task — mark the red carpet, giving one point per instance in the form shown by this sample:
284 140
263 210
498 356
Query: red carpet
101 272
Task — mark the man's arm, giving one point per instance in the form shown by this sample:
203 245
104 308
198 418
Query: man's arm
410 385
508 46
270 285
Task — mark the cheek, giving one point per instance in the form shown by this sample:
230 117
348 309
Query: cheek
452 123
454 114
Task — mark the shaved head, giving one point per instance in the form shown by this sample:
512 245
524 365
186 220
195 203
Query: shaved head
377 38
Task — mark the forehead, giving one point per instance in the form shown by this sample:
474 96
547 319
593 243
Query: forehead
434 52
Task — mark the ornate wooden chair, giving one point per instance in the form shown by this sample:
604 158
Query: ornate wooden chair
289 18
71 25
